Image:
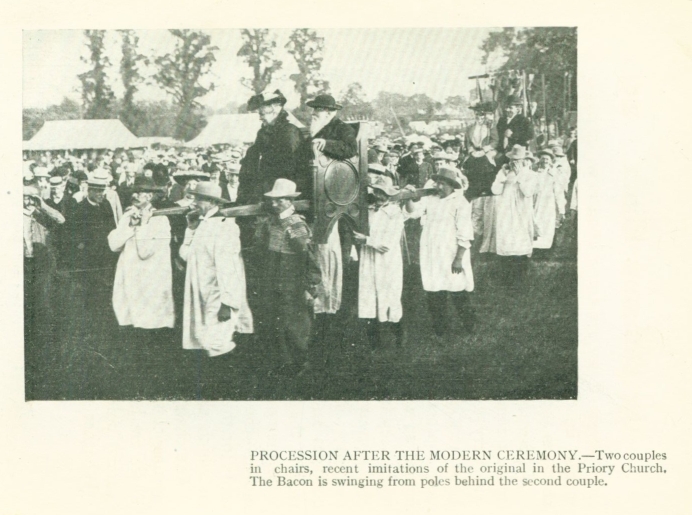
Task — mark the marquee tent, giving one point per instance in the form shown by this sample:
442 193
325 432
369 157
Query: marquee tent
82 135
232 129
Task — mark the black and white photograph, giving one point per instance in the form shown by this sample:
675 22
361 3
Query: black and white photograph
300 214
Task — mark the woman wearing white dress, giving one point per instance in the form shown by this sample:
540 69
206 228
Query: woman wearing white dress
445 257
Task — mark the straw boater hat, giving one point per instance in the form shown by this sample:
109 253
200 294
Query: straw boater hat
449 174
233 168
56 181
31 191
517 152
440 155
99 179
209 191
283 188
324 102
41 171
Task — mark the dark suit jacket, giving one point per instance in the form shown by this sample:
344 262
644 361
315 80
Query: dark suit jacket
522 132
274 155
340 139
89 227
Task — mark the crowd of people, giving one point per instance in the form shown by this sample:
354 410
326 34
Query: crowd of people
92 234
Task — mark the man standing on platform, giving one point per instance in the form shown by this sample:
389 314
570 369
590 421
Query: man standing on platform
275 153
514 128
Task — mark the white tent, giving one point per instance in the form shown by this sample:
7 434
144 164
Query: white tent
82 135
232 129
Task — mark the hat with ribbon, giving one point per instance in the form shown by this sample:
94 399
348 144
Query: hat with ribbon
209 191
557 150
324 102
233 168
283 188
449 175
143 183
99 178
383 183
41 171
546 152
31 191
183 176
265 99
56 180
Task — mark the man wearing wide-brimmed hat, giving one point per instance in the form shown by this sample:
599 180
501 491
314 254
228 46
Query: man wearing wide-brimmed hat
215 305
142 291
380 279
512 232
514 128
445 250
275 153
289 279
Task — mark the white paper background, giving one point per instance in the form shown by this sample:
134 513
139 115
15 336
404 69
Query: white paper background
634 302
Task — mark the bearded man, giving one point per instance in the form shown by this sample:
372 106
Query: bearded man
215 305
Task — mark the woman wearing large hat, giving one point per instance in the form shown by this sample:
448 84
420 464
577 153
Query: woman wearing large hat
215 304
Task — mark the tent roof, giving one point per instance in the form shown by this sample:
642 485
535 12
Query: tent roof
82 134
232 128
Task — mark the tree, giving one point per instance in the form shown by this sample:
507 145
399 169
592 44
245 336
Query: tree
355 104
547 51
33 118
181 74
258 52
306 48
97 96
131 77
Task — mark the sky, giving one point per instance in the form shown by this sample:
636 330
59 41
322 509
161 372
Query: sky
436 62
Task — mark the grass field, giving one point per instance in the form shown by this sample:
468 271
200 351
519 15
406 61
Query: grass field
524 347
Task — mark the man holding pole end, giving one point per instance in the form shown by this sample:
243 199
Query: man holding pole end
215 304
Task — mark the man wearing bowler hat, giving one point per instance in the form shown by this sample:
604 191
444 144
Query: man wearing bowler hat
331 136
215 304
289 280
